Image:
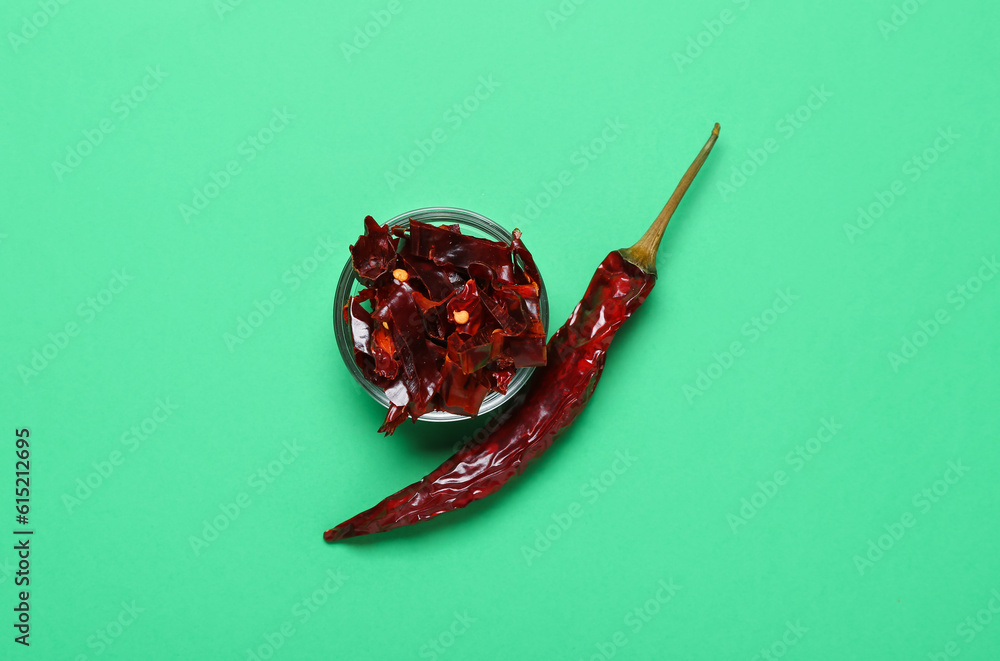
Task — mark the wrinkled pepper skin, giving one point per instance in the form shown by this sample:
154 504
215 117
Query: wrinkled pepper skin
557 395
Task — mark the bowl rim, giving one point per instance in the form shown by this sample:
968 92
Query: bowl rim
346 283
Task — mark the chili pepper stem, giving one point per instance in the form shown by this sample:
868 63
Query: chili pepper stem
643 253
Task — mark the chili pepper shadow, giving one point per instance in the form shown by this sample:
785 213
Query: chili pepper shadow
433 437
425 438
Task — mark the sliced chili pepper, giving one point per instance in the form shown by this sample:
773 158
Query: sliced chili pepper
523 349
384 353
500 379
529 273
445 245
445 307
465 311
370 351
560 390
439 280
435 314
463 392
420 374
375 251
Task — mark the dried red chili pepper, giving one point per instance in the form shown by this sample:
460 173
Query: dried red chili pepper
558 393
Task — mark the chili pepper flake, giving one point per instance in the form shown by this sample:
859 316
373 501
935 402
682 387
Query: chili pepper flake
452 316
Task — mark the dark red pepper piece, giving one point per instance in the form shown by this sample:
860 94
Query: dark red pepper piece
444 307
375 251
558 393
445 245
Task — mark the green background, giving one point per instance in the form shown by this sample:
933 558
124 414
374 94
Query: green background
502 579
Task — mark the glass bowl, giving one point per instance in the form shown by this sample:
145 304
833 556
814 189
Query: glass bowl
471 223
